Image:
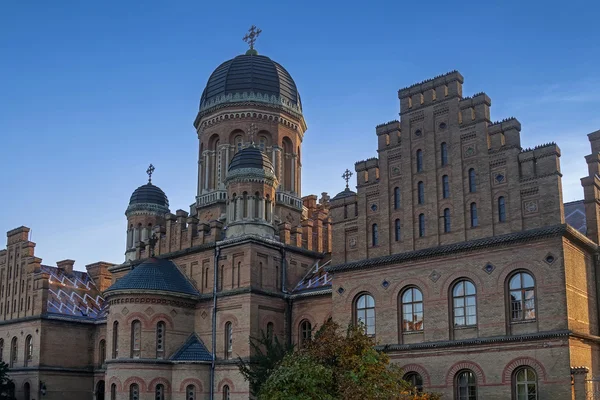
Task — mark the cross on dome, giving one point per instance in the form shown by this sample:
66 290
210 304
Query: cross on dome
149 171
251 36
346 176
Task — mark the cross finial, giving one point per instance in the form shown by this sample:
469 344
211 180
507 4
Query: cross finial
251 132
149 171
152 242
251 36
346 175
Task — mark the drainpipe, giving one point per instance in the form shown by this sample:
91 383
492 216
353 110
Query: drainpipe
214 324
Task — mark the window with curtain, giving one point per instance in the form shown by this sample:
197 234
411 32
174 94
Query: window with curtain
365 313
115 340
28 350
464 304
396 198
421 192
412 310
525 384
226 393
159 392
501 209
472 184
522 297
13 352
474 221
134 392
375 235
136 338
444 153
305 332
446 220
190 392
466 385
415 379
445 187
421 225
397 230
419 160
228 340
160 339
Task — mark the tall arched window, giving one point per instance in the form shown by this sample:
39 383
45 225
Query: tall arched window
412 310
415 380
522 297
102 352
525 384
226 392
228 340
501 209
159 392
397 230
136 338
419 160
374 235
305 332
446 220
190 392
270 329
474 221
27 391
464 304
444 153
235 206
13 351
421 192
160 339
115 340
245 205
365 313
396 198
421 225
1 349
472 184
256 204
445 187
466 385
113 391
134 392
28 350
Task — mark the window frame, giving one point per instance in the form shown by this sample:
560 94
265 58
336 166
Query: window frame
447 220
159 392
501 209
14 351
473 215
412 303
102 351
28 350
226 392
421 192
421 225
472 180
190 392
370 330
115 340
396 198
161 330
305 332
522 291
444 154
419 157
457 394
228 342
415 379
374 235
463 282
515 383
445 187
136 339
397 230
132 388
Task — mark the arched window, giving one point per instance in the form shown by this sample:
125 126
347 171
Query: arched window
1 349
421 192
365 313
305 332
136 338
419 160
375 235
525 384
397 230
27 391
134 392
501 209
421 225
445 187
256 204
115 340
415 380
13 351
28 350
466 385
228 340
474 221
522 297
396 198
412 310
190 392
270 328
160 339
235 206
238 143
159 392
472 184
464 304
113 391
226 392
245 205
446 220
444 153
102 352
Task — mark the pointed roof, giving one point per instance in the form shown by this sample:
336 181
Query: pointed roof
192 350
155 274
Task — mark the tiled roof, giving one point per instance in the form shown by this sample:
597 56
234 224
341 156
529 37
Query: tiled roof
316 278
155 274
452 248
192 350
73 294
575 215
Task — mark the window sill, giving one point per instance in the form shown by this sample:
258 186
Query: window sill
523 322
461 327
412 332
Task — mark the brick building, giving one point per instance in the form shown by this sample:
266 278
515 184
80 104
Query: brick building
455 251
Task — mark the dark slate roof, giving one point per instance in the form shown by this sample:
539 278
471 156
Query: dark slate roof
192 350
346 193
149 193
155 274
531 234
251 74
250 157
575 215
316 278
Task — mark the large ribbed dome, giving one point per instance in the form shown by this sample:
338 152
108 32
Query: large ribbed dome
249 77
251 157
149 194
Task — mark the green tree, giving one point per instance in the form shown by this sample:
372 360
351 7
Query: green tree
7 386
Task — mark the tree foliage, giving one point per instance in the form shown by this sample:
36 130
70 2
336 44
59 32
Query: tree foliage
339 367
7 386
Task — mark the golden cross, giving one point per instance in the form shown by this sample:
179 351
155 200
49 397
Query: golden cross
251 36
346 175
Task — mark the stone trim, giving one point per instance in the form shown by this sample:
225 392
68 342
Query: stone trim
151 300
191 381
461 365
420 370
523 361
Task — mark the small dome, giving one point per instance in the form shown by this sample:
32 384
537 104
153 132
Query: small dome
149 194
251 157
345 193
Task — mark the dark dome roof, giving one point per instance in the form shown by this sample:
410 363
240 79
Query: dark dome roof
251 157
149 193
251 74
346 193
155 275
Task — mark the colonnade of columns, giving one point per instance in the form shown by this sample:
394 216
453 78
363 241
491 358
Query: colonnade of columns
137 234
250 207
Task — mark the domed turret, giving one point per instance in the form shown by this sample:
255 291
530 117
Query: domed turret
251 157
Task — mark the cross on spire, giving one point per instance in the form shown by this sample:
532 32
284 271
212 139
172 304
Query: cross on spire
251 36
152 242
251 132
149 171
346 176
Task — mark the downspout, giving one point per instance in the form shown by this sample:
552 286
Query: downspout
214 324
288 314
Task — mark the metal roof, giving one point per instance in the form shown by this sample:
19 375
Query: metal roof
250 157
192 350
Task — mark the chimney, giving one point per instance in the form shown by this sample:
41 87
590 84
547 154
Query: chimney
66 266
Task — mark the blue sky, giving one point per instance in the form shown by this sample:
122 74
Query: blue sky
92 92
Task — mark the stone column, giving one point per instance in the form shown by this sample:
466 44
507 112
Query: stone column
261 211
579 377
129 239
250 207
206 170
136 236
239 204
293 173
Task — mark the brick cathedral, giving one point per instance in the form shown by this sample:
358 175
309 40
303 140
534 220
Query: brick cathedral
456 251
